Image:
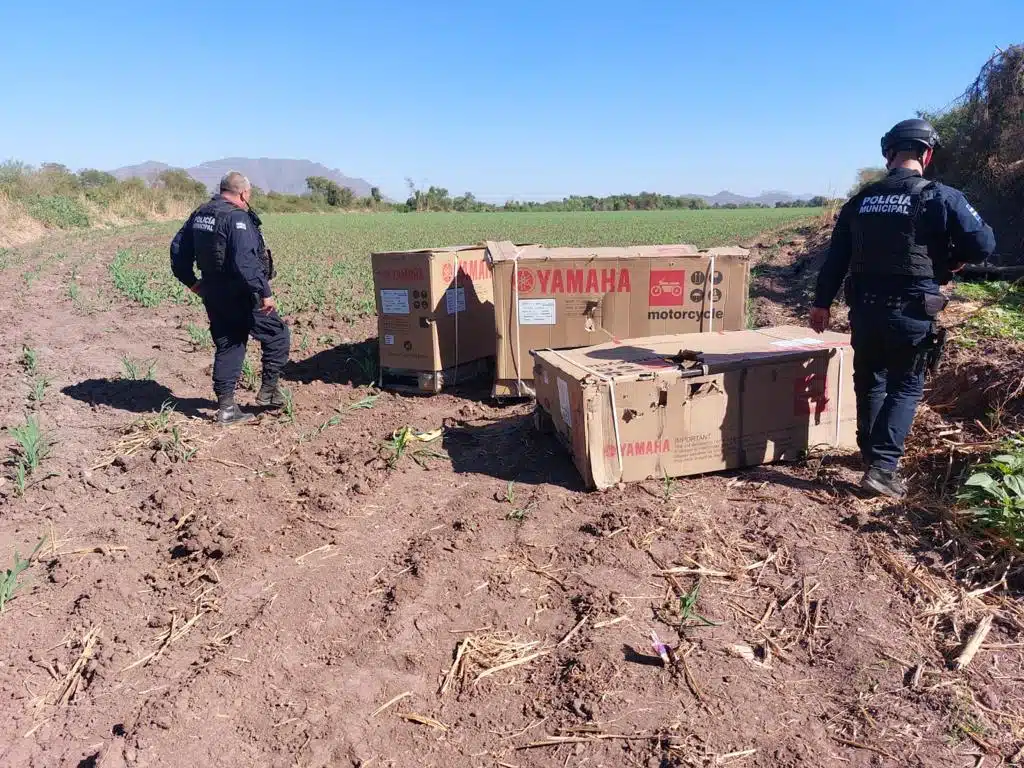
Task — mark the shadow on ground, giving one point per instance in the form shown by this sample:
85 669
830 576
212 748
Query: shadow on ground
510 449
135 396
354 364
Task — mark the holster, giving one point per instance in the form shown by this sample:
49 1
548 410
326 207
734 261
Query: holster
934 303
935 345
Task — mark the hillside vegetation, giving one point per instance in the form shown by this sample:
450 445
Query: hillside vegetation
51 197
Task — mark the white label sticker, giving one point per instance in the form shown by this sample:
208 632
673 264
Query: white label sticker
536 311
563 402
389 340
455 304
394 302
808 342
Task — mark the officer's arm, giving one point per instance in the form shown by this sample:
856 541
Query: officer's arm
973 239
183 256
243 248
837 262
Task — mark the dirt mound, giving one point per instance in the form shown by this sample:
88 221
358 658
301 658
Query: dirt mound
784 270
982 382
983 152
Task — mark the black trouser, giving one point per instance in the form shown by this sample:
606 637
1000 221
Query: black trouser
889 360
232 321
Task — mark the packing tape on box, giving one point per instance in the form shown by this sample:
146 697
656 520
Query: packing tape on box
455 375
710 283
839 394
517 354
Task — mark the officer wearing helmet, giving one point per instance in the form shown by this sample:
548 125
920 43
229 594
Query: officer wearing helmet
223 238
897 239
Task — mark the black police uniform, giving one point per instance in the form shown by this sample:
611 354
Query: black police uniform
897 239
226 243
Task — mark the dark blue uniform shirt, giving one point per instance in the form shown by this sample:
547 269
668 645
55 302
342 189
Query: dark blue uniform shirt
947 219
242 262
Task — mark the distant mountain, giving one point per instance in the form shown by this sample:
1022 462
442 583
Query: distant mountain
269 174
147 171
768 197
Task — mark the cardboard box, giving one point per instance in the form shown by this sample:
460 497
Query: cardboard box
688 404
575 297
435 312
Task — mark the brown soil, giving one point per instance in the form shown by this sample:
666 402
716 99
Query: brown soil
261 603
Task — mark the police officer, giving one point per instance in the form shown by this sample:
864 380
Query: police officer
898 239
223 238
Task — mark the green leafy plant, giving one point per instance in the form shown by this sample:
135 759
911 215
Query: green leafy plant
39 385
993 494
363 404
688 609
20 477
403 442
29 359
288 411
137 370
517 513
9 580
33 443
250 379
199 336
366 363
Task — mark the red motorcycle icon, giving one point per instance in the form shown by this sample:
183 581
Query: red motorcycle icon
667 287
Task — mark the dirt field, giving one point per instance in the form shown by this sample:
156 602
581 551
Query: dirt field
293 595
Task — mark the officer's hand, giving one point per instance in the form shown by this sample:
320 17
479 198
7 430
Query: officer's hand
820 319
197 289
957 268
268 306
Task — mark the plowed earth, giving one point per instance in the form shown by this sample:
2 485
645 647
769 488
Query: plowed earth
293 594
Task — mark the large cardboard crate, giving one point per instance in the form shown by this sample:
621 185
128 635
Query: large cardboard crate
575 297
435 315
687 404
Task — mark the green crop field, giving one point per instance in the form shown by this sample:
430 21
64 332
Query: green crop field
323 265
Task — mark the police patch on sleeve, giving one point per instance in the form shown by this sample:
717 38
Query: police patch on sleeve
974 213
240 225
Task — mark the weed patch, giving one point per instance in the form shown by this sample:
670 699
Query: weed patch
57 211
993 494
199 336
137 370
165 432
1000 316
9 580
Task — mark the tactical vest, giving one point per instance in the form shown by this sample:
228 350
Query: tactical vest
210 234
210 227
884 227
266 258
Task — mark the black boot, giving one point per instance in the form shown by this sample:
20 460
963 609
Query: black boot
228 413
270 395
883 482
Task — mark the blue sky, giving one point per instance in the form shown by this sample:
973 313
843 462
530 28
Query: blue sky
509 99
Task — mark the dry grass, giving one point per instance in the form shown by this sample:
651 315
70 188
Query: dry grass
73 680
483 655
166 432
175 631
16 226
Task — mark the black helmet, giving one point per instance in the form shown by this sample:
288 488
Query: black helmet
910 134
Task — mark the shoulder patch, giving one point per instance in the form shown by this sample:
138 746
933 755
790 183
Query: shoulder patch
973 212
240 225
